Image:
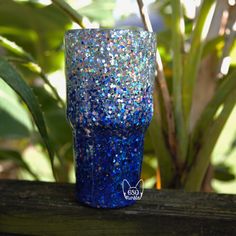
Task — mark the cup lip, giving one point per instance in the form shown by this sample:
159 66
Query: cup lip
109 29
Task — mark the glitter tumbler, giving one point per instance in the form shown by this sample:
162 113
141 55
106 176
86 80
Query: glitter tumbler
110 76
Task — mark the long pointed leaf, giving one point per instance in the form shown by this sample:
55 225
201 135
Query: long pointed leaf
207 117
28 61
193 58
14 80
72 13
13 47
198 170
177 46
207 131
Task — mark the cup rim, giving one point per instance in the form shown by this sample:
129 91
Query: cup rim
109 29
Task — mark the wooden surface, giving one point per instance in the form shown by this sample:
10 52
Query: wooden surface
39 208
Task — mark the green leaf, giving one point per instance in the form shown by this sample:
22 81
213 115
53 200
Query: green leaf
212 45
164 40
73 14
193 58
208 130
55 118
208 115
14 120
11 46
38 29
100 11
232 146
233 54
14 80
11 128
10 155
177 47
223 172
29 63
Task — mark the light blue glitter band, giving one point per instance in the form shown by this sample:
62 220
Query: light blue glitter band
110 75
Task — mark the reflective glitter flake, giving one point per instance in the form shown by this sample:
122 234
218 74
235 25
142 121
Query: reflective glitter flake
110 76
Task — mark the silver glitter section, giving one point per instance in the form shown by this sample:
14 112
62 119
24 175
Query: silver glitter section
115 69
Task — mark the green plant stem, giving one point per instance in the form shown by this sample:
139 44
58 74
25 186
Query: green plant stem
227 87
193 58
199 167
163 88
165 161
72 13
177 46
162 153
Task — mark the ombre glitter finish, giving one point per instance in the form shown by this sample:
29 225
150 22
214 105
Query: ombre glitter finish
110 75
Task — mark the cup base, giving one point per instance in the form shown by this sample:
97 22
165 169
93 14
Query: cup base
110 205
108 167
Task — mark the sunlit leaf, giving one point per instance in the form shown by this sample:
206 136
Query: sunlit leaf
4 42
193 58
14 80
100 11
27 62
14 120
204 144
37 29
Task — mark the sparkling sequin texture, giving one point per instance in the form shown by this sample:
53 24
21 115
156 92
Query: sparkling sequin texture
110 75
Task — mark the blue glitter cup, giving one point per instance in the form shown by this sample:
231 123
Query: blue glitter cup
110 76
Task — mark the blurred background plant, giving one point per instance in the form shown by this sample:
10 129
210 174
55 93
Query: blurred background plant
191 141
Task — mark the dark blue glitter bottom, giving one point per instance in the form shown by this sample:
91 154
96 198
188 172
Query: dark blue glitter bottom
103 160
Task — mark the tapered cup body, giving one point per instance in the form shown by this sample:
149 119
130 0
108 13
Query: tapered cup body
110 76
